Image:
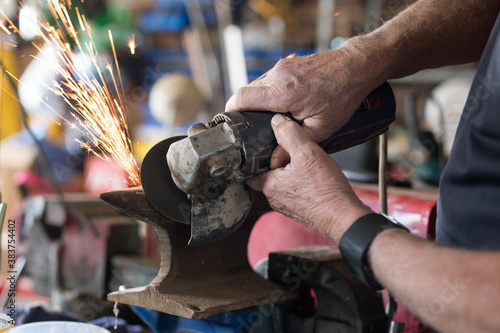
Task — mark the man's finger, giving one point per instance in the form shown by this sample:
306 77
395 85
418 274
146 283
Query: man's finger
256 98
279 158
249 98
317 128
289 134
257 182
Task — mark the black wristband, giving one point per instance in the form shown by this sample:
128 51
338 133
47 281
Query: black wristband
356 241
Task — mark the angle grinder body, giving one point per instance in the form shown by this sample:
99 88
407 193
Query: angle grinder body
200 179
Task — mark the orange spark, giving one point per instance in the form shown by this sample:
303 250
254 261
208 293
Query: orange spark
117 67
12 75
95 101
82 26
4 28
11 25
337 14
131 44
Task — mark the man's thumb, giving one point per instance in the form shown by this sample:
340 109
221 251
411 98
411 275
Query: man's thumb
290 135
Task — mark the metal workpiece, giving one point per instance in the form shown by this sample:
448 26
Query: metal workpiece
133 202
196 281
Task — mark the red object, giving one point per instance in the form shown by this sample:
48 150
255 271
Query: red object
276 232
415 209
32 182
103 176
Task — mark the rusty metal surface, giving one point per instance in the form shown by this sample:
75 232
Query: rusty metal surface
213 219
209 158
196 281
208 167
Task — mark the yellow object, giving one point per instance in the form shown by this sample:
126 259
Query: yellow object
141 148
10 120
6 328
268 9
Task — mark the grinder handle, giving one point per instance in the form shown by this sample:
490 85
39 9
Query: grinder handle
372 118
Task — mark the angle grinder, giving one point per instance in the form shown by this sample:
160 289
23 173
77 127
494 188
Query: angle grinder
199 179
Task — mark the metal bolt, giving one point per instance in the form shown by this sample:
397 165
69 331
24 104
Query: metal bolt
218 170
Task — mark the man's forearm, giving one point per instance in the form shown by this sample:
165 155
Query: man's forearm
428 34
452 290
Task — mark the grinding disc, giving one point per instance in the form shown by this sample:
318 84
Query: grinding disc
159 187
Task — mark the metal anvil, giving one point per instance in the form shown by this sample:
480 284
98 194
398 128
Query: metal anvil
196 281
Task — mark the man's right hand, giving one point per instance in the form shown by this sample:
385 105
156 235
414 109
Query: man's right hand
321 91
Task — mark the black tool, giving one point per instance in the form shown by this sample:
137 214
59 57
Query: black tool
200 179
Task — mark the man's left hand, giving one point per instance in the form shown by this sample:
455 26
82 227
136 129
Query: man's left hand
311 188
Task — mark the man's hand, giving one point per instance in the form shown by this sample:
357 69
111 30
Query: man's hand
311 189
321 91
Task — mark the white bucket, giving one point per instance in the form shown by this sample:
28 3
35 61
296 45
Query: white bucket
58 327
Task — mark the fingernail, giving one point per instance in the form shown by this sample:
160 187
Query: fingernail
278 119
275 162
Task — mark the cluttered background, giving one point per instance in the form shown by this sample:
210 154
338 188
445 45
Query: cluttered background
88 87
